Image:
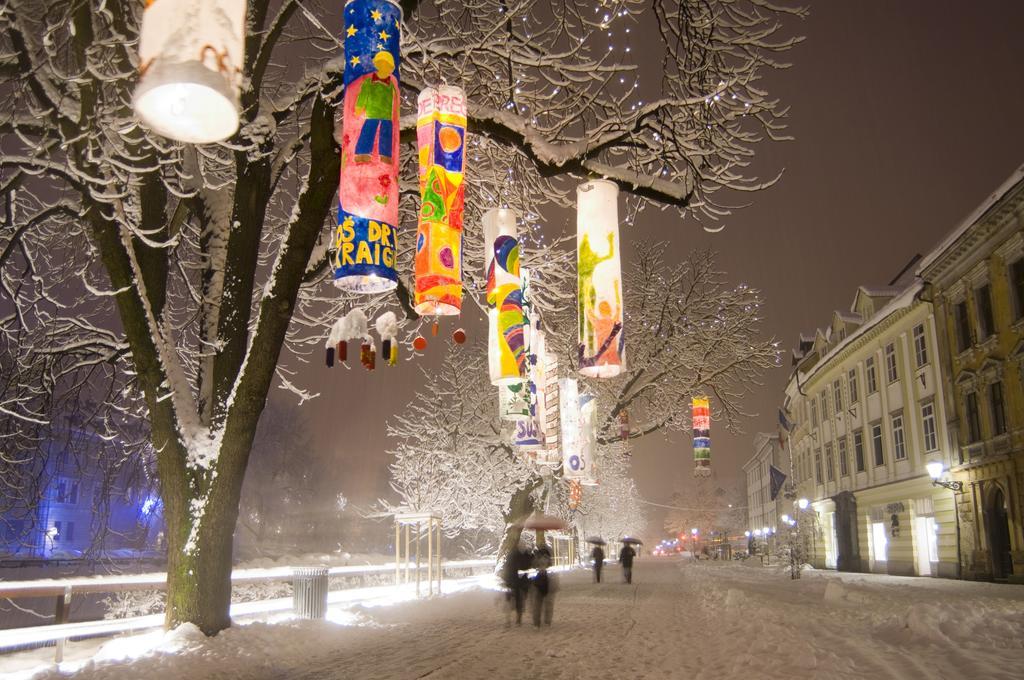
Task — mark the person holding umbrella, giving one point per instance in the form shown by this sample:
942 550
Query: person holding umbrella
597 554
626 556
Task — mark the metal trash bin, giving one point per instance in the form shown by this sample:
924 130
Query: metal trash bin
309 592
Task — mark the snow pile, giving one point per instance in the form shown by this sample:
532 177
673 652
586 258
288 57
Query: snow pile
927 620
676 620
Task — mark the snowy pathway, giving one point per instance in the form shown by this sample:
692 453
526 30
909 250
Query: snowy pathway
677 620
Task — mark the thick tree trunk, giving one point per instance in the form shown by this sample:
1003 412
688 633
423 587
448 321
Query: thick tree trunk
199 581
519 508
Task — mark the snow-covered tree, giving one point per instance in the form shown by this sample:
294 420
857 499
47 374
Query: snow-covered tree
614 508
708 508
687 333
449 455
169 278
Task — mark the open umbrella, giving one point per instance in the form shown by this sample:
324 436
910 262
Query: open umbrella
539 520
628 539
597 540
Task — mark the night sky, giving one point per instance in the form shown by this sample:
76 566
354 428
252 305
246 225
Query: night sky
906 116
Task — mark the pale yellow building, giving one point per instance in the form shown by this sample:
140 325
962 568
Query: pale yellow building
867 406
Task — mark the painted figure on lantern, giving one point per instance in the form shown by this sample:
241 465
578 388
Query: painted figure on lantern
367 235
440 136
377 102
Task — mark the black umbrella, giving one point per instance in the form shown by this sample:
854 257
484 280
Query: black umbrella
627 539
597 540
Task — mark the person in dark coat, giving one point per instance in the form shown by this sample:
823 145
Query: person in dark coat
598 556
544 587
516 581
626 556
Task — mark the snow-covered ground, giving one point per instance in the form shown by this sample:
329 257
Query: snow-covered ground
679 619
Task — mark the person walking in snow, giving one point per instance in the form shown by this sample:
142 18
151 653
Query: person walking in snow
544 587
517 583
598 557
626 556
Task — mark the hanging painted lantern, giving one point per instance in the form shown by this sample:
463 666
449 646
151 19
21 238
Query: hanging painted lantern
575 494
588 438
514 401
367 235
551 455
190 60
624 425
441 139
516 398
701 437
601 342
506 348
573 461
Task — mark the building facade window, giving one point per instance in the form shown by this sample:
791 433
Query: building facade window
899 444
830 466
817 467
858 451
852 379
963 326
931 442
824 406
65 531
983 302
876 444
67 491
973 418
891 371
995 397
844 469
837 395
920 346
1016 271
869 367
814 412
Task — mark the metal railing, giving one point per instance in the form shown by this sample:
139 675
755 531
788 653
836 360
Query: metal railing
64 589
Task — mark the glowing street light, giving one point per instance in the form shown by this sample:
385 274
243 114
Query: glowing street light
935 470
803 503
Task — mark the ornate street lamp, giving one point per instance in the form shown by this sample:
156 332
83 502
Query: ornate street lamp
935 470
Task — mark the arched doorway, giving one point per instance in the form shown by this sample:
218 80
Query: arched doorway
998 526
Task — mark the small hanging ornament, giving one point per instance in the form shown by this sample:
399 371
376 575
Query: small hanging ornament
387 328
367 355
420 343
434 328
352 326
459 336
